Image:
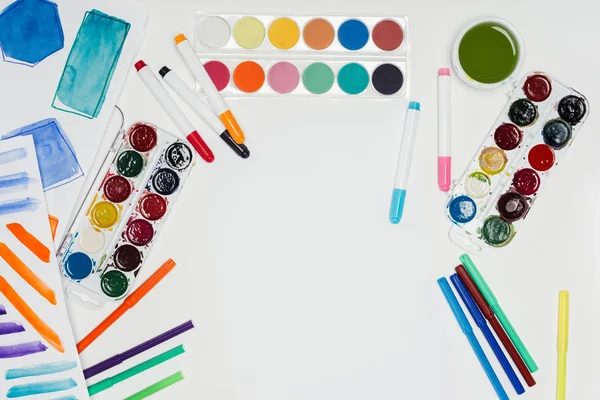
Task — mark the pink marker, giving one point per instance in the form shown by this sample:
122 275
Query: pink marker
444 159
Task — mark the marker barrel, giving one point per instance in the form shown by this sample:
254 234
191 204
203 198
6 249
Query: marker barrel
562 345
407 146
444 152
214 98
162 96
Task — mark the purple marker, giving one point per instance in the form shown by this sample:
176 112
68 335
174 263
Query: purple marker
140 348
2 310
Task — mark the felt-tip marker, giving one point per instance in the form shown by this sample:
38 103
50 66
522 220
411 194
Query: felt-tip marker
215 99
202 109
444 159
404 158
162 96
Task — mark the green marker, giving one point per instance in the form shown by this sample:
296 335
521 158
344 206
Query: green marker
157 387
153 362
493 302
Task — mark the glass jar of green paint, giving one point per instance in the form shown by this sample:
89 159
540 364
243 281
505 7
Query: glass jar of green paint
487 53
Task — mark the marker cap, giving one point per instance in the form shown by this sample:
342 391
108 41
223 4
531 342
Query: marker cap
201 147
232 126
397 206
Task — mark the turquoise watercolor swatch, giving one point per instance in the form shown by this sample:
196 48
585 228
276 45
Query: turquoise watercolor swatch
41 369
91 64
30 389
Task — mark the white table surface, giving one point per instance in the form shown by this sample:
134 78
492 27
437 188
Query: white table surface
298 285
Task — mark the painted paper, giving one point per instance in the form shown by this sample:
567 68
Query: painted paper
35 333
91 64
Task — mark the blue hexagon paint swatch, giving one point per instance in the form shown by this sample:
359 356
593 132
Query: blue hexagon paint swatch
30 31
91 64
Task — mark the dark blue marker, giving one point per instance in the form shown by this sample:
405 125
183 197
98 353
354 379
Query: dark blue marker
482 324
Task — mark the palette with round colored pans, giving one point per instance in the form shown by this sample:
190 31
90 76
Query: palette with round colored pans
224 32
327 78
528 140
121 216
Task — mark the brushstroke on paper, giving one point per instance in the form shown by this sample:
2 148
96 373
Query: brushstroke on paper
14 182
22 349
13 155
31 242
56 156
30 31
91 64
27 274
30 389
40 326
53 224
7 328
20 205
40 369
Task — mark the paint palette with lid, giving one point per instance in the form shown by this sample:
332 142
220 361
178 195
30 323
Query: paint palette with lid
327 56
526 143
121 216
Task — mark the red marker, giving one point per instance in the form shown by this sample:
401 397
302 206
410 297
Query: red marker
165 100
488 313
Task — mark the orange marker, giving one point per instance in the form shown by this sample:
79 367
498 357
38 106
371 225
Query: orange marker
209 88
129 302
27 274
40 326
30 241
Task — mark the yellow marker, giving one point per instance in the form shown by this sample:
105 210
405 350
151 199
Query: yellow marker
563 344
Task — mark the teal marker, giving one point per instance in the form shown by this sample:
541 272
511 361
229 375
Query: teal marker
493 303
407 146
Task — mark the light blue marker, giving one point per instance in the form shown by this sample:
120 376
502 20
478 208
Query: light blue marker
462 320
41 369
404 158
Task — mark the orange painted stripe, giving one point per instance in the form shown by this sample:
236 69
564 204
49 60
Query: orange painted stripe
30 241
40 326
53 224
27 274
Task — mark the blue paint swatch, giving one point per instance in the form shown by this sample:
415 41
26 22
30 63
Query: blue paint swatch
462 209
66 398
30 31
22 349
91 64
14 182
21 205
56 156
7 328
41 369
13 155
353 34
30 389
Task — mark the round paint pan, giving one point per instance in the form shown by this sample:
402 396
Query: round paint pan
487 53
152 206
143 137
117 189
91 240
572 109
557 133
477 185
462 209
127 258
512 206
139 232
537 87
78 266
318 34
165 181
526 181
104 214
179 156
114 283
496 231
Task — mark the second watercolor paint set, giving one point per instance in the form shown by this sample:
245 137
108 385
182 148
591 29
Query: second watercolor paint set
311 55
526 143
114 230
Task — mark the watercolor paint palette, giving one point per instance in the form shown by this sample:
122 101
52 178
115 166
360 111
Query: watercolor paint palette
526 143
327 56
114 230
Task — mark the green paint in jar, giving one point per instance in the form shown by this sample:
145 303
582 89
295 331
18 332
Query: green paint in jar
489 52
